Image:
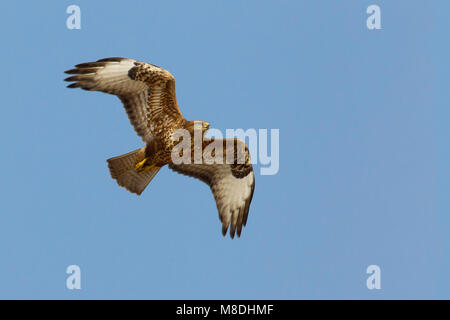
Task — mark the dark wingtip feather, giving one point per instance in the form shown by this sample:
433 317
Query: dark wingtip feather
224 230
74 85
240 220
72 78
247 205
245 216
233 225
83 70
90 65
239 230
112 59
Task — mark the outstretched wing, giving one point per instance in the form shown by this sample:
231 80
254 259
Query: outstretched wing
231 184
146 91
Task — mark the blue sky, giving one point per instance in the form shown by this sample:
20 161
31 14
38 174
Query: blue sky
364 151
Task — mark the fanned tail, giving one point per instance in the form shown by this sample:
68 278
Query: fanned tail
122 170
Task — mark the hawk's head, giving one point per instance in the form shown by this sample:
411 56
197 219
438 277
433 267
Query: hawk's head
195 125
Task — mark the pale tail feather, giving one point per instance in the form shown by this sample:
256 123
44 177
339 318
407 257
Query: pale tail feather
122 169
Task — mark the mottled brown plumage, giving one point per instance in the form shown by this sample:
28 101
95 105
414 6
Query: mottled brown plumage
148 95
231 184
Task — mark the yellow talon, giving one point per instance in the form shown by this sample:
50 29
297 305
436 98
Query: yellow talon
143 166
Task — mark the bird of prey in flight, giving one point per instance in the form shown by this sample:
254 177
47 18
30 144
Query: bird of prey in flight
148 95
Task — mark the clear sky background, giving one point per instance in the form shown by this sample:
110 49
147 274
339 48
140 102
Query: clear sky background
364 151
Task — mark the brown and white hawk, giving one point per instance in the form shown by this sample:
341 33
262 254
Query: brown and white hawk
148 95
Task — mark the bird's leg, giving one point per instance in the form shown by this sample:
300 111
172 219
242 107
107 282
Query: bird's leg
144 166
